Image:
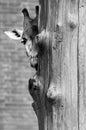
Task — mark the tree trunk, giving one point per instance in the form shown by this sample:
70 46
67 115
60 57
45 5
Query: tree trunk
82 65
55 86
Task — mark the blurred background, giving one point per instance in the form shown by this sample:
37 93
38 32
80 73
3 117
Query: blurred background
16 112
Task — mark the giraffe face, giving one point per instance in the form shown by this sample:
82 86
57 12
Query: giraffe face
30 45
32 52
27 35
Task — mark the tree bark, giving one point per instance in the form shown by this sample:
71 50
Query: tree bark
82 65
55 87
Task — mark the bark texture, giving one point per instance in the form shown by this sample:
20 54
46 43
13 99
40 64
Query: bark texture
59 92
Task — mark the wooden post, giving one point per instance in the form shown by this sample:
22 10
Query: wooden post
82 65
54 88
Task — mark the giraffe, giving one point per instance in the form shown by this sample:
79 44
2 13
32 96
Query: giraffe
27 36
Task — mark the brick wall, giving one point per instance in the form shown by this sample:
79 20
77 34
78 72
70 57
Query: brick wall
15 102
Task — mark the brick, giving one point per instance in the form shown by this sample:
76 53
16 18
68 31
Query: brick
15 102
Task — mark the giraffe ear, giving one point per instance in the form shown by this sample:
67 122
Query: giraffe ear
15 34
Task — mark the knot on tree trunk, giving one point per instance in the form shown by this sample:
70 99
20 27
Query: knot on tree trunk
57 37
72 20
54 93
34 87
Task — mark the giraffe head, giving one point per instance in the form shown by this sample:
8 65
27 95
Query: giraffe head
27 35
